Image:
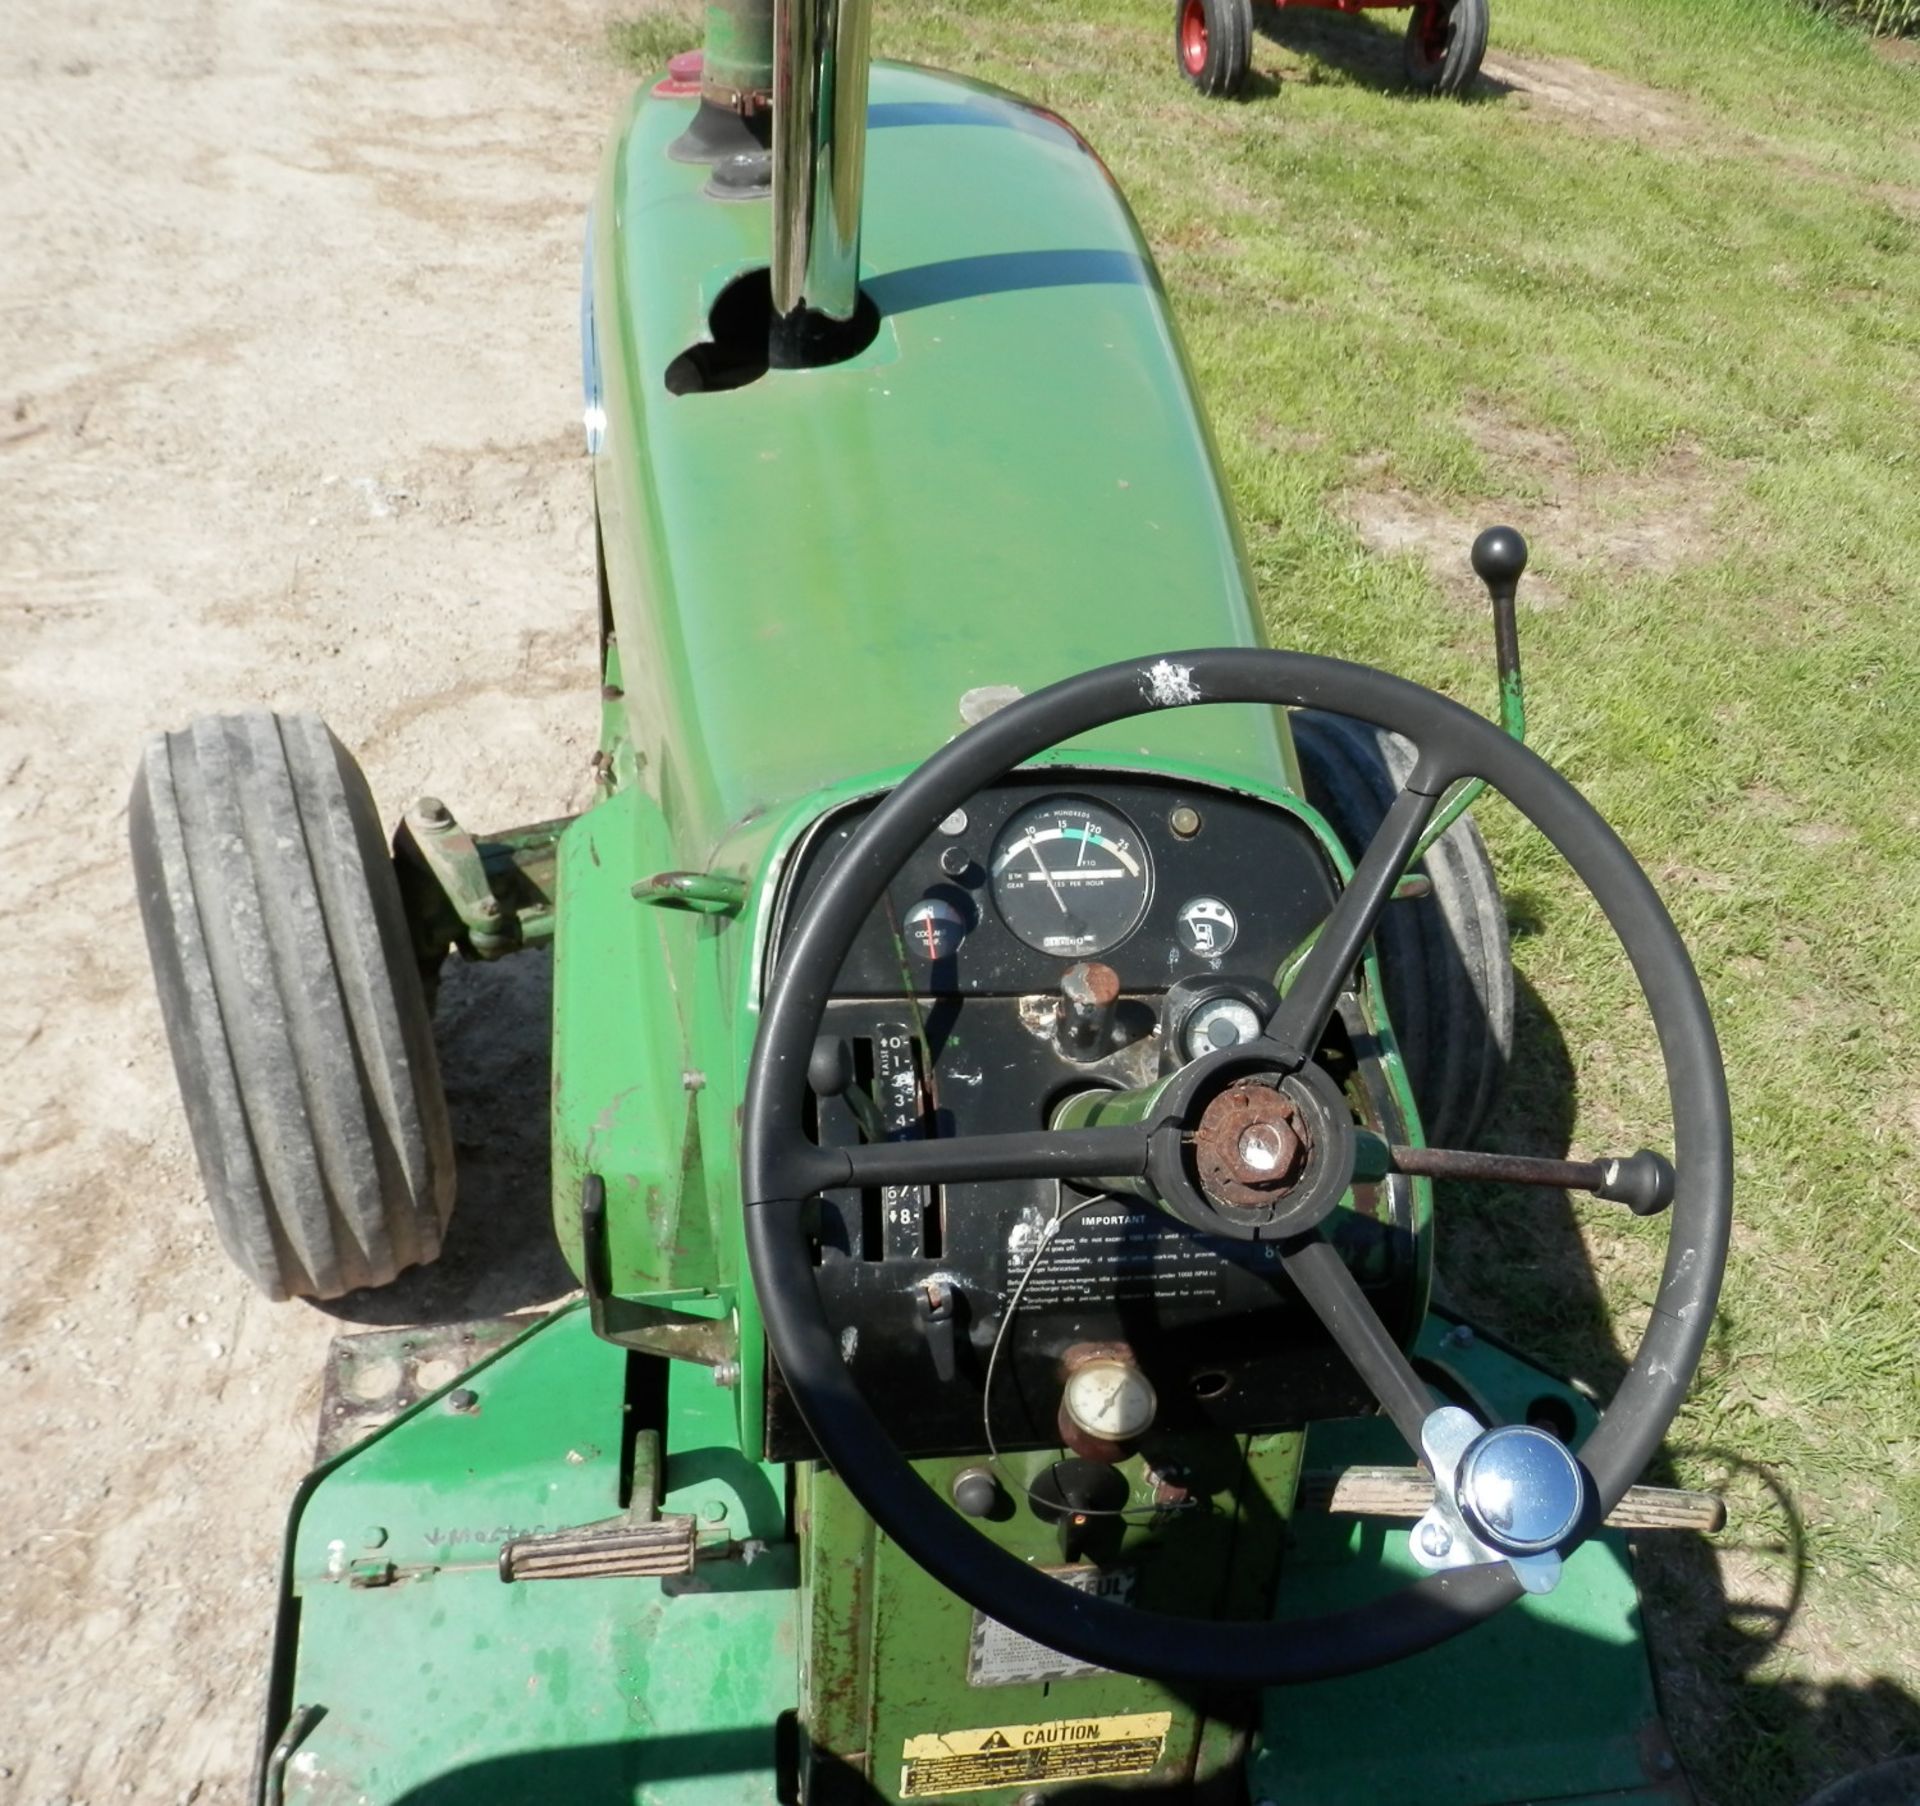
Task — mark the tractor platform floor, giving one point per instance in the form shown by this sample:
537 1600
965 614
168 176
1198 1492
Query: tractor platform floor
409 1673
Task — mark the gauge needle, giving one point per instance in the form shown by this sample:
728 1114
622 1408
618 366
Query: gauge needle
1042 864
1082 860
933 946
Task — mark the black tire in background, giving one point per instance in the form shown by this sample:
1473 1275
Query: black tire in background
1444 958
1213 44
1895 1783
293 1003
1445 45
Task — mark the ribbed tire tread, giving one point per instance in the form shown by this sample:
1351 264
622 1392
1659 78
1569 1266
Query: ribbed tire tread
292 1003
1444 959
1229 47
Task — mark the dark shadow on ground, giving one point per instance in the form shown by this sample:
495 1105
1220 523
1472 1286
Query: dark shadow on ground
493 1029
1367 50
1716 1608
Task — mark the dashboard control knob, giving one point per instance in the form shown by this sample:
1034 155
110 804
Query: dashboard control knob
1088 994
830 1066
976 1493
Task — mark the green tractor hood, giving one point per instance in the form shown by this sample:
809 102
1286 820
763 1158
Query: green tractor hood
1013 481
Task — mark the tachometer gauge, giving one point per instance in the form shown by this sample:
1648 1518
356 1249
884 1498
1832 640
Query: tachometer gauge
1070 877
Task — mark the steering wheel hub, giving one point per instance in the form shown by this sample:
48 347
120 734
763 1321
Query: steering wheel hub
1250 1147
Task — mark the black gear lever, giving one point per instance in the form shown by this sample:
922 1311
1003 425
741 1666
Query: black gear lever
1499 560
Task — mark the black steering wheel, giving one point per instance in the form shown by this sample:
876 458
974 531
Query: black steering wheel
782 1168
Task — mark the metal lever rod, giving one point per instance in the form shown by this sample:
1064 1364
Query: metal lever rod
1643 1181
1499 558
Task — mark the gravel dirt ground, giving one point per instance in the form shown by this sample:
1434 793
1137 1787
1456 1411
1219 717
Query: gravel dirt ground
288 415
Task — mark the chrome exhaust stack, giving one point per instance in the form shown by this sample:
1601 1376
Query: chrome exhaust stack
820 59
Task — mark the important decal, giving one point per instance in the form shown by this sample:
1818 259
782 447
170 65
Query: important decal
1014 1755
1125 1251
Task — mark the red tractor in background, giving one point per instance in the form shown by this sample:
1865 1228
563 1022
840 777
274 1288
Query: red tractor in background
1446 40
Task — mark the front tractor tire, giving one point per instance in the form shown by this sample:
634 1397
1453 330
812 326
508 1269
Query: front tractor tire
1445 45
1213 44
293 1003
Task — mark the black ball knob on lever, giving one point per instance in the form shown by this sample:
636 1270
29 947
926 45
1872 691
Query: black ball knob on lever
1499 559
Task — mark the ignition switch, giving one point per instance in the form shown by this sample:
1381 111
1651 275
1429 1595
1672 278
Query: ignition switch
1083 1500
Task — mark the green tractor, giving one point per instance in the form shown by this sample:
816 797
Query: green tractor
1001 1064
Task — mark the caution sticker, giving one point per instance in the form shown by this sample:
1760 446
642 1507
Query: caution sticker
1012 1755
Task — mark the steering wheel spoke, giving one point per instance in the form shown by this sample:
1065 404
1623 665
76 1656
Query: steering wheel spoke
1102 1153
1325 1281
1322 973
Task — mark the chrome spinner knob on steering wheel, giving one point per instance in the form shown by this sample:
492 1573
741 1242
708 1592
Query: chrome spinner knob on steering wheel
1512 1494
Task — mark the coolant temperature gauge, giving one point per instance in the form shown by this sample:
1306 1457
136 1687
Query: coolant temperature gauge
934 929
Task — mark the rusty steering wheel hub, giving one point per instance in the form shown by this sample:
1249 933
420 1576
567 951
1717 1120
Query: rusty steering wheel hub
1259 1153
1250 1147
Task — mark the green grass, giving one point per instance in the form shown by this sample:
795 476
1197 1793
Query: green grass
1672 330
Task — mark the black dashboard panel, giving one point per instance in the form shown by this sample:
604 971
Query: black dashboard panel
951 1039
1259 861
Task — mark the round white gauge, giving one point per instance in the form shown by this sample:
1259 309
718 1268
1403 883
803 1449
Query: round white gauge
1070 877
1112 1400
1219 1022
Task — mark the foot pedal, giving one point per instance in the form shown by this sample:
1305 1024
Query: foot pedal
603 1551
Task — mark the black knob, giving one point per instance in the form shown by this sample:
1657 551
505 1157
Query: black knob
976 1493
1499 557
830 1066
1643 1182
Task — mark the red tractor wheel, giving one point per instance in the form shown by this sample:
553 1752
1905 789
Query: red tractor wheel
1446 40
1213 44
